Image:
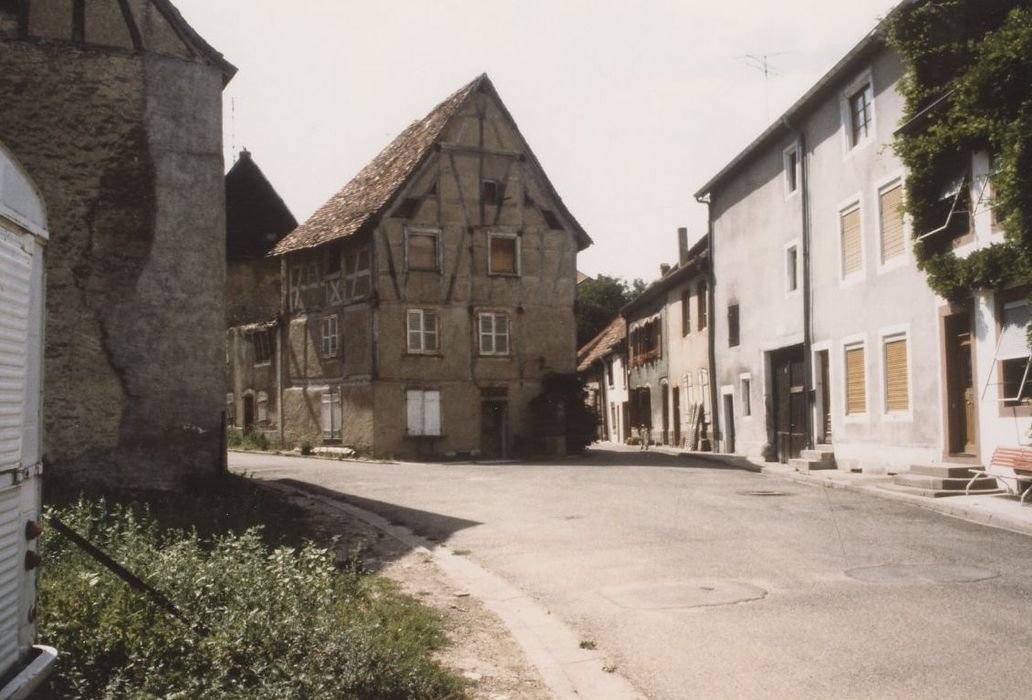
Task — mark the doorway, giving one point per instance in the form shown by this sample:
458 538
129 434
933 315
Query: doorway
824 390
666 414
494 429
790 413
677 416
729 423
248 412
960 386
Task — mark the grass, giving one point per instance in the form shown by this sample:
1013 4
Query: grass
462 552
274 615
588 644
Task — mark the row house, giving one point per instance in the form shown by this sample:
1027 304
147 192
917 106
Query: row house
826 336
602 363
425 307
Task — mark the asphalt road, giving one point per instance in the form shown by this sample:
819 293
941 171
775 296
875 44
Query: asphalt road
703 581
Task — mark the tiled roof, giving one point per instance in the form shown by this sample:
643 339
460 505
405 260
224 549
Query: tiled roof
256 216
602 344
377 183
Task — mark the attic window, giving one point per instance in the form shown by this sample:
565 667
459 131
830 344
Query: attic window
491 192
551 220
408 208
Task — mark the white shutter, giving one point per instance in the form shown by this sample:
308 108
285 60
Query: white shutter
431 413
327 414
415 412
15 285
11 565
1013 339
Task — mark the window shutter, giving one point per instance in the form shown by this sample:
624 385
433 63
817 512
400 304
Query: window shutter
897 392
851 255
415 412
327 414
892 223
1013 339
503 255
856 386
432 412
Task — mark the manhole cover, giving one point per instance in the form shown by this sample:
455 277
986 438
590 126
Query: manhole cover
763 492
674 595
916 574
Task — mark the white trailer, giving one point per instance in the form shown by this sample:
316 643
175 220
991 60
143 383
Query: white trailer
23 241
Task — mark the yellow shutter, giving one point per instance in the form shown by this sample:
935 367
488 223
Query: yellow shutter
897 393
856 384
892 223
851 255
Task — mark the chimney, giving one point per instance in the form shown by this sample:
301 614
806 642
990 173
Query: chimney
682 245
664 270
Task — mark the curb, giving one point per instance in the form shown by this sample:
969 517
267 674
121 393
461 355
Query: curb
553 648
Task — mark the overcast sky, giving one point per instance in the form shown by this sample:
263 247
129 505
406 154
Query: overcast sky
630 106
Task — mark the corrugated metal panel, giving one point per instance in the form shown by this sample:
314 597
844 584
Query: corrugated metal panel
897 390
856 381
852 258
11 569
892 223
15 285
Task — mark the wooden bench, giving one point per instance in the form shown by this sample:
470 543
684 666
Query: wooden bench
1011 467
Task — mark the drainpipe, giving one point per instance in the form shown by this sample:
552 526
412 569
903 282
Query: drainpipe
711 287
804 200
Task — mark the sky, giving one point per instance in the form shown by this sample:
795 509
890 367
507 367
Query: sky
630 106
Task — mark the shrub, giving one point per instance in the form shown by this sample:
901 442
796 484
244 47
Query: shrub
275 622
306 446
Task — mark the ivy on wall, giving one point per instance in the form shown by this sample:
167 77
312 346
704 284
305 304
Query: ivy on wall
971 60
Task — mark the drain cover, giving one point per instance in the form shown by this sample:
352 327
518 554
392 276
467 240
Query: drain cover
675 595
763 492
917 574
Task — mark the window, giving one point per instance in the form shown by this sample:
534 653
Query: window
492 192
421 249
494 334
331 414
689 390
861 114
856 381
732 326
303 280
852 253
609 372
504 254
422 331
330 336
890 206
791 269
1013 354
897 380
424 413
953 210
356 274
262 345
646 342
746 396
701 302
552 220
791 158
686 312
262 404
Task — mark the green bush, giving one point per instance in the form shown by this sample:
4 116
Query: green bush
306 446
274 622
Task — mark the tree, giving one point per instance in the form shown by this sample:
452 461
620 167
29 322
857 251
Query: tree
599 300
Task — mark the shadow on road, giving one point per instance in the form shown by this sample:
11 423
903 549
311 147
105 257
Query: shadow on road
432 526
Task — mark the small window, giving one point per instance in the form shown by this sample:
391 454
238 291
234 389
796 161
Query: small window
851 239
504 254
491 192
494 334
791 269
262 345
897 381
746 396
331 417
1013 353
686 312
856 381
609 372
701 302
861 114
732 326
330 336
890 206
421 247
424 413
422 331
791 170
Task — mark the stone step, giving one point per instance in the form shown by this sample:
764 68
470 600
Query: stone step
943 471
925 493
923 481
810 465
824 448
818 456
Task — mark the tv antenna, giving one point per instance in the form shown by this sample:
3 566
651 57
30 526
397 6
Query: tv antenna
762 64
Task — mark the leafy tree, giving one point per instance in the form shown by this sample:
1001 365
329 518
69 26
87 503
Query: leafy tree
599 300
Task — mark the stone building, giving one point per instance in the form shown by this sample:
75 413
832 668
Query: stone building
114 109
602 363
256 220
429 303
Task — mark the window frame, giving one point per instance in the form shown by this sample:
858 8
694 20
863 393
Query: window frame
686 311
792 282
258 361
854 203
494 315
734 324
518 252
894 180
701 305
423 331
852 144
428 232
333 339
848 344
885 337
423 431
331 396
745 395
1021 408
791 173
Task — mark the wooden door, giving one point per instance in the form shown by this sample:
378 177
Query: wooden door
666 414
248 412
677 416
960 387
790 419
493 425
729 423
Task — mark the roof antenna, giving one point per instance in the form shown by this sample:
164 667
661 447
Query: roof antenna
762 64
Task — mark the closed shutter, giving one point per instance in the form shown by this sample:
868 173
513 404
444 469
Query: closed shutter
856 381
503 255
11 563
431 413
892 223
1014 338
327 414
897 391
851 254
15 285
414 404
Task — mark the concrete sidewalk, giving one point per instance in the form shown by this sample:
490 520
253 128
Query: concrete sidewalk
995 510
